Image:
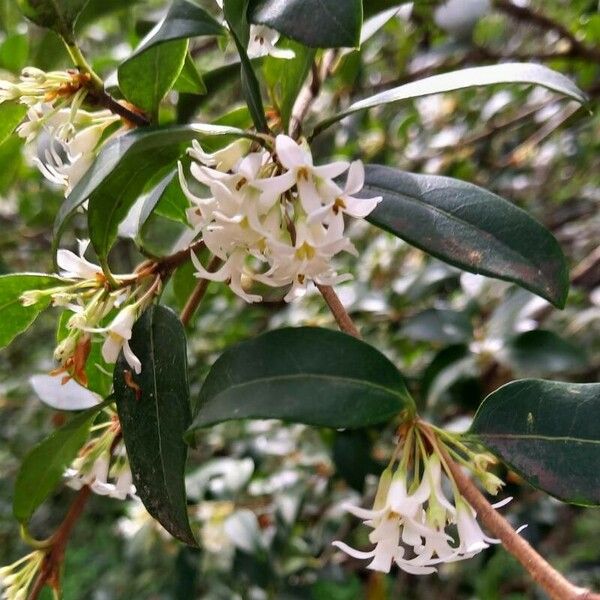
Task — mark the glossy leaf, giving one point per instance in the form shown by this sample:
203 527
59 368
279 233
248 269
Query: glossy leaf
509 73
58 15
470 228
14 317
235 12
314 23
306 375
146 78
155 416
11 114
167 200
183 20
542 352
43 468
285 78
547 431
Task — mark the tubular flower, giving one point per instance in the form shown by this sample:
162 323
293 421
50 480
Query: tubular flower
410 516
16 579
274 218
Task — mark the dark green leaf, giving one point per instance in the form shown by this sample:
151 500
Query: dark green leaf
436 325
190 80
543 352
235 15
167 200
352 454
58 15
153 423
529 73
307 375
11 114
14 317
145 78
549 432
286 77
183 20
470 228
315 23
43 468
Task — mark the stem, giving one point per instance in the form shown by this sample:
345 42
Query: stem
49 572
342 318
196 296
555 584
84 66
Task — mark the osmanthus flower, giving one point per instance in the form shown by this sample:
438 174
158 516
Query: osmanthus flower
16 579
273 216
411 515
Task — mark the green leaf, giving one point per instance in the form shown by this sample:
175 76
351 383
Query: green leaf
14 317
520 73
44 466
470 228
11 114
285 78
167 200
58 15
315 23
235 14
147 77
437 325
153 423
190 80
184 20
306 375
543 352
548 432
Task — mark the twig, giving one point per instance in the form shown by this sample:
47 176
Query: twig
309 92
342 318
103 98
555 584
196 296
50 571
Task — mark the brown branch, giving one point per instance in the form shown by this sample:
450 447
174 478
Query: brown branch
525 13
50 571
309 92
342 318
104 99
196 296
553 582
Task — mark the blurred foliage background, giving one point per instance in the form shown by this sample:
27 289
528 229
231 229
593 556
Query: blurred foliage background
266 497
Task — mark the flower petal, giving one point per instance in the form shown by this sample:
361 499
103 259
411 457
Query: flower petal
70 396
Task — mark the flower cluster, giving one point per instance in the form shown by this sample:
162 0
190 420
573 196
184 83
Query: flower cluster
16 579
273 217
91 301
102 464
67 136
411 514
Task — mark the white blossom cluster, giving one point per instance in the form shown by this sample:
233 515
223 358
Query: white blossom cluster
273 217
409 521
15 579
67 136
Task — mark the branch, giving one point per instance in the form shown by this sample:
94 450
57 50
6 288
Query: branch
196 296
556 586
103 98
340 314
50 571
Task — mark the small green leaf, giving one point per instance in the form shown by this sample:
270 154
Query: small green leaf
44 466
58 15
190 80
315 23
14 317
145 78
518 73
11 114
306 375
285 78
547 431
154 423
470 228
167 200
542 352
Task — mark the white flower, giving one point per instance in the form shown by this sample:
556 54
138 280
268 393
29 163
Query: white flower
73 266
63 396
223 160
262 43
119 334
471 537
